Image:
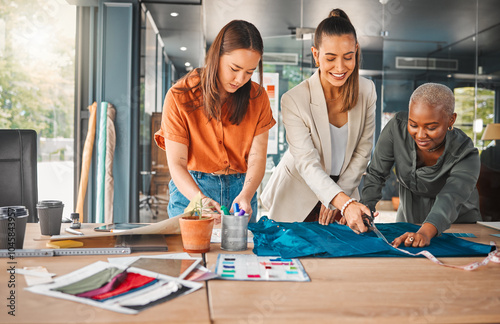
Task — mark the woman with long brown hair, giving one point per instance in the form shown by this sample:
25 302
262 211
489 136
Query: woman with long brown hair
329 121
215 125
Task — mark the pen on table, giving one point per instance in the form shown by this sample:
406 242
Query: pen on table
72 231
236 209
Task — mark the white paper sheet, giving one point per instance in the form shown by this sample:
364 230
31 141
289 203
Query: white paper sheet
495 225
167 226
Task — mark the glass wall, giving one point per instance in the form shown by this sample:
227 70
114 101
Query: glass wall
468 66
397 66
37 66
290 59
155 78
287 61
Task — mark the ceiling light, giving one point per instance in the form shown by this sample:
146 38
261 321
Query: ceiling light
183 48
187 64
174 14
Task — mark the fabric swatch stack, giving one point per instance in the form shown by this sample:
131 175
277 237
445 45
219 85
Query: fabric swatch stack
122 289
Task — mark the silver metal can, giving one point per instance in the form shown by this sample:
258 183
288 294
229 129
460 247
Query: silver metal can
234 233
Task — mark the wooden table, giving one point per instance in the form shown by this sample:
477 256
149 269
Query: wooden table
33 308
367 290
343 290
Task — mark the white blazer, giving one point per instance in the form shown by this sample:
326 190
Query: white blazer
302 178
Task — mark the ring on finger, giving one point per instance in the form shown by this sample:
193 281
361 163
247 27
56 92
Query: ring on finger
411 238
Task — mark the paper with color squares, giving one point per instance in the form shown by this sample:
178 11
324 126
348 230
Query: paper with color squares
253 267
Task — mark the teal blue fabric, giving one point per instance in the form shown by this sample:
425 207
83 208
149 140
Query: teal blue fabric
294 240
101 163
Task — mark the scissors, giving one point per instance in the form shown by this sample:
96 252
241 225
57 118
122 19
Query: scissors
368 221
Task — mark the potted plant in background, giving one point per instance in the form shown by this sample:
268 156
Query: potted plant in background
196 227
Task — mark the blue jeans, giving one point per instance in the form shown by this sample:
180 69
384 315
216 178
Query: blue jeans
221 188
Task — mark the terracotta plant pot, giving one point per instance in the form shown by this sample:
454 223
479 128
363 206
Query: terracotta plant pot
395 202
196 233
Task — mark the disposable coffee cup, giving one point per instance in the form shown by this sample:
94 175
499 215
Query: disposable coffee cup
234 232
50 215
13 221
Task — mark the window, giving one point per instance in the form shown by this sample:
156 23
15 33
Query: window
464 107
37 64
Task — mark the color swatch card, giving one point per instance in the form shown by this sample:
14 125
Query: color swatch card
253 267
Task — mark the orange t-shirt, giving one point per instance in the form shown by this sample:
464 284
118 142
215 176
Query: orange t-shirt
212 145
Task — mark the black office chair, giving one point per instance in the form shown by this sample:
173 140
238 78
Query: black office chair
148 201
18 170
488 184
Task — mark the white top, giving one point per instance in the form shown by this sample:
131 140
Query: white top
339 145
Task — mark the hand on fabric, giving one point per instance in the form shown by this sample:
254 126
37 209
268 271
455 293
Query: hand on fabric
353 215
210 203
411 239
419 239
327 215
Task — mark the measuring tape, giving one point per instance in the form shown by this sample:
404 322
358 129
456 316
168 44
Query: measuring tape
493 256
54 252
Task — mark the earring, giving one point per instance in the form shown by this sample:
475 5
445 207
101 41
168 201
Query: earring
450 128
317 64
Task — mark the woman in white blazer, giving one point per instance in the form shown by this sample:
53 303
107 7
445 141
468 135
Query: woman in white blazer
329 121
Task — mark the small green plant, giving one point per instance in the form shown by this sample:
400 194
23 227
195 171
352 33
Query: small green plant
196 207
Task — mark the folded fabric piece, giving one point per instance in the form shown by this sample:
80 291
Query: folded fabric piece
115 282
101 163
132 281
152 295
92 282
181 291
293 240
151 283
